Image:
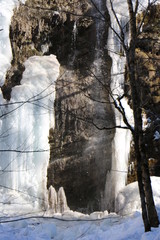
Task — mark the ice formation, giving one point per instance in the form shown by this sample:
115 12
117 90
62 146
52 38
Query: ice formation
25 123
121 143
57 200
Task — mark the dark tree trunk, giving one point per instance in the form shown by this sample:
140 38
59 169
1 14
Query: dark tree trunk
152 213
141 186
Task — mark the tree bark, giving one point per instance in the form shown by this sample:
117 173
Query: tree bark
152 213
141 187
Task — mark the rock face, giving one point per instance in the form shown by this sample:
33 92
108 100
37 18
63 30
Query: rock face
80 152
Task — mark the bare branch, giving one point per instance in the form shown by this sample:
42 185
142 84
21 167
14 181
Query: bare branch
64 11
119 106
24 151
145 14
98 10
136 6
118 22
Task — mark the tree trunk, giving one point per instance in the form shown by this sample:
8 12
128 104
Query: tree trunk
152 213
141 186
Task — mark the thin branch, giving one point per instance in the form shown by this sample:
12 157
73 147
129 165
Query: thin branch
63 11
24 151
90 121
120 27
24 193
119 106
136 6
95 100
144 16
98 10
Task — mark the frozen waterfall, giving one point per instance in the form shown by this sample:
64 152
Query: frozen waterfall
116 179
25 122
121 144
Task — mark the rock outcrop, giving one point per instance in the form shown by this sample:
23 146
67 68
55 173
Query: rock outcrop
81 148
81 153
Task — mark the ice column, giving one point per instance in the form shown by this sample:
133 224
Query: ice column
57 201
25 125
121 144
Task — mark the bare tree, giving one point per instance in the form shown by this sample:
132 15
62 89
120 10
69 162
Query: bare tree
149 213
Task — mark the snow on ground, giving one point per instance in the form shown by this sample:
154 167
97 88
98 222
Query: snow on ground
128 199
73 225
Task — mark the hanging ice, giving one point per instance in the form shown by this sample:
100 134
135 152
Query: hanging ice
62 201
121 144
57 201
52 199
25 123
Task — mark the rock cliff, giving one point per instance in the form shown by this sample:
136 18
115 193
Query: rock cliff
80 153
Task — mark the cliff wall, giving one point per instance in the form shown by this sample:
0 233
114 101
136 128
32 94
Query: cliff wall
80 153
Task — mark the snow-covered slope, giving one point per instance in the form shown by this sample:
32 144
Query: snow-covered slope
128 199
73 226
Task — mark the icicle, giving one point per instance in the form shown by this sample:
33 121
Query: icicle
52 199
74 32
62 201
57 201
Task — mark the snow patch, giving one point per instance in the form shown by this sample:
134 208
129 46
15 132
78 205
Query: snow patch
128 199
156 135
